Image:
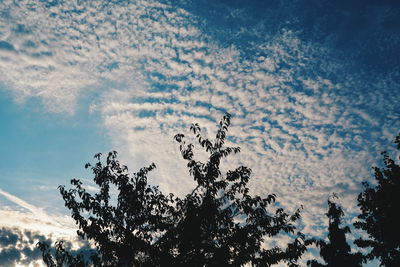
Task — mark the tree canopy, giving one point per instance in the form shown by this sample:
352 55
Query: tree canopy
336 252
219 223
380 206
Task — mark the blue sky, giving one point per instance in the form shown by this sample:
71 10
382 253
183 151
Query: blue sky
313 87
42 149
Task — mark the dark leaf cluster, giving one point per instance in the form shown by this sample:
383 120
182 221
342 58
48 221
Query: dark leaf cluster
336 252
380 207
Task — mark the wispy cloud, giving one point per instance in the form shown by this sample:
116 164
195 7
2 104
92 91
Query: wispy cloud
36 219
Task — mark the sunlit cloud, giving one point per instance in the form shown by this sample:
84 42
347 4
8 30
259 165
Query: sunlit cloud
32 218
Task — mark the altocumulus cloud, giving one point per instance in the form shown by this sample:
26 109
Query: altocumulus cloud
308 120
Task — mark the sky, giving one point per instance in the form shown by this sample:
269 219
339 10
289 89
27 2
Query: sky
312 86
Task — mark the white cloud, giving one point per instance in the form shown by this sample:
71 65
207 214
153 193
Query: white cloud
35 219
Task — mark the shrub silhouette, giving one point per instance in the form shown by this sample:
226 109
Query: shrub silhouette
380 206
218 224
336 252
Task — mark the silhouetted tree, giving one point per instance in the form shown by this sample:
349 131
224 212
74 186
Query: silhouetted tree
124 229
380 207
336 252
218 224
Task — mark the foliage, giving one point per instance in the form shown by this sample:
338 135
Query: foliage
380 206
336 252
123 233
218 224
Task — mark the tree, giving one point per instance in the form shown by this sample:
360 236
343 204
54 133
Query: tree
124 234
380 206
218 224
336 252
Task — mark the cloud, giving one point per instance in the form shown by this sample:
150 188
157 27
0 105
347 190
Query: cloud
19 247
23 226
32 218
308 120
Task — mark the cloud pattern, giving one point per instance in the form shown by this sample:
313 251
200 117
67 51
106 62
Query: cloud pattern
310 119
19 247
